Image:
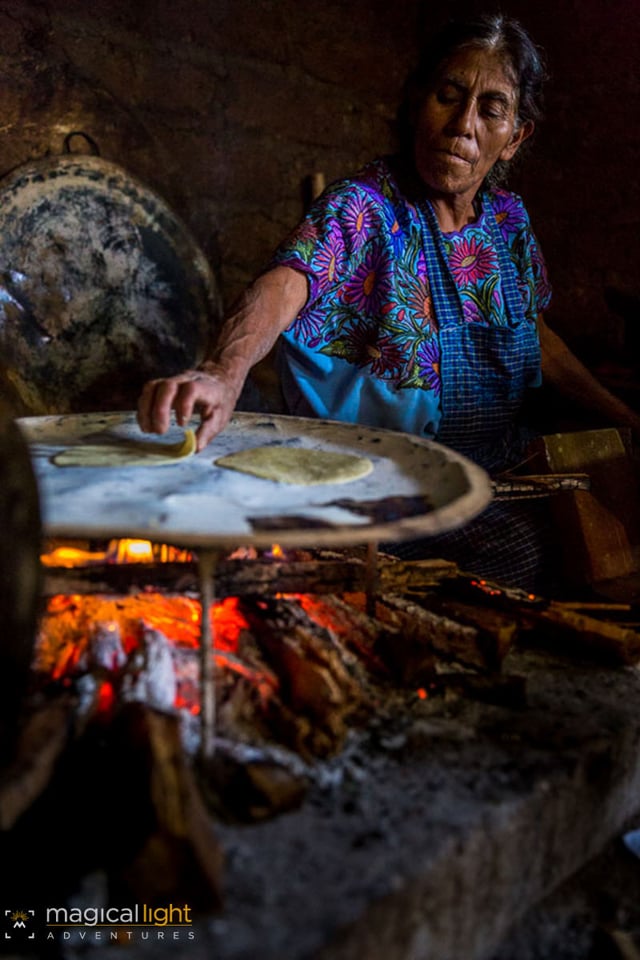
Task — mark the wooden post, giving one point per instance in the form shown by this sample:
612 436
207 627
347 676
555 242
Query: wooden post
371 578
207 563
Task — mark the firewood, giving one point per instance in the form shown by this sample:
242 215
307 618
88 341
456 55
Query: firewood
578 633
172 850
252 790
42 740
232 578
551 623
439 633
248 577
413 576
496 631
355 631
408 651
317 692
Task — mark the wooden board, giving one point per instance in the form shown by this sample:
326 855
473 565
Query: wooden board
599 528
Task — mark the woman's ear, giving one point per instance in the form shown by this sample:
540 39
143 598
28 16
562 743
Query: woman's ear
520 134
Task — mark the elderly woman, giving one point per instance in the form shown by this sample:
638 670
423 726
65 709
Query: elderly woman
411 295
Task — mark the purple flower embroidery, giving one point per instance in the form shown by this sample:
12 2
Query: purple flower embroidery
309 326
359 220
428 357
509 212
369 287
330 259
471 311
471 261
365 347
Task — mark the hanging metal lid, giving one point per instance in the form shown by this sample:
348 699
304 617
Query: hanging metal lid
102 286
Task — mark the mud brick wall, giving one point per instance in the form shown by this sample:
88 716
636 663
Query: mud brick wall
226 107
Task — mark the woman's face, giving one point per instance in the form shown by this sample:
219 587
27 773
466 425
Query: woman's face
466 123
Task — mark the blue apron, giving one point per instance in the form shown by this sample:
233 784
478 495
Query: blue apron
485 370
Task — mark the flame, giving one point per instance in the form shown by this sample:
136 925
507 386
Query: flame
130 551
123 550
72 557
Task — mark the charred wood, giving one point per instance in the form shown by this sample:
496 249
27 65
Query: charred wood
317 693
42 740
575 633
248 577
424 634
173 847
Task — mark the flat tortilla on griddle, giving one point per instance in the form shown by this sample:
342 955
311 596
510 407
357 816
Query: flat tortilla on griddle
127 453
297 465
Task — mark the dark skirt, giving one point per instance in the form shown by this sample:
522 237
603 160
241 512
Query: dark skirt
511 542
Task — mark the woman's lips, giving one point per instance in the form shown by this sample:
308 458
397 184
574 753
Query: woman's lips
454 157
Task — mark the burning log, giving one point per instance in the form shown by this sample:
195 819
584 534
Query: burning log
317 693
553 623
239 578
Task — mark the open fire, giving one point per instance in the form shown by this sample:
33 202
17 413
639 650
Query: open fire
304 664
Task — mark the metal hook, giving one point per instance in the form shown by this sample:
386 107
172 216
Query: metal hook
94 148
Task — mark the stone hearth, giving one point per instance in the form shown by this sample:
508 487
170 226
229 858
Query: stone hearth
435 833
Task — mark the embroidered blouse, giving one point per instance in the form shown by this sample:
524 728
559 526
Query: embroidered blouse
366 347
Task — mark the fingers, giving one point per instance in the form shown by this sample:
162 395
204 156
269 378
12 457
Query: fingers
213 421
155 404
185 394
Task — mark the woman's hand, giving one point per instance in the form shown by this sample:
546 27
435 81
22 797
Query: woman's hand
209 392
263 312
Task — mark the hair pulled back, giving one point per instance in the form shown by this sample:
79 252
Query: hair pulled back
493 32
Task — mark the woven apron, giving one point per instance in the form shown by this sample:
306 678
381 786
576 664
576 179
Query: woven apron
485 370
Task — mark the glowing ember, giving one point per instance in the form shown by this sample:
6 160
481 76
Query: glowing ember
81 633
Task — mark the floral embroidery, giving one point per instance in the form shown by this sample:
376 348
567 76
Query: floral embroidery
509 213
358 220
371 304
330 258
428 357
363 345
369 287
471 261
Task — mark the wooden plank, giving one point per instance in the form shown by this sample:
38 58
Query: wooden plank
599 529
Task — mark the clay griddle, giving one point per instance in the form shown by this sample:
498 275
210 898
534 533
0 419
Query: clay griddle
417 487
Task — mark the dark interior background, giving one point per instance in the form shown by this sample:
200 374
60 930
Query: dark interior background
226 107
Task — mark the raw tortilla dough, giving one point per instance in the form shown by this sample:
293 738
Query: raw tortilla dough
297 465
127 453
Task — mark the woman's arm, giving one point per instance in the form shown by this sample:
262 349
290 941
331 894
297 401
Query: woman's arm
266 308
568 375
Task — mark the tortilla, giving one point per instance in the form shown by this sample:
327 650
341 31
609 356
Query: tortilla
127 453
297 465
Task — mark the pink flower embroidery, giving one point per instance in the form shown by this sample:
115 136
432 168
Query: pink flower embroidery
472 261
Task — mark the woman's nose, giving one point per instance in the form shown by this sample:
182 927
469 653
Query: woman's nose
462 120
